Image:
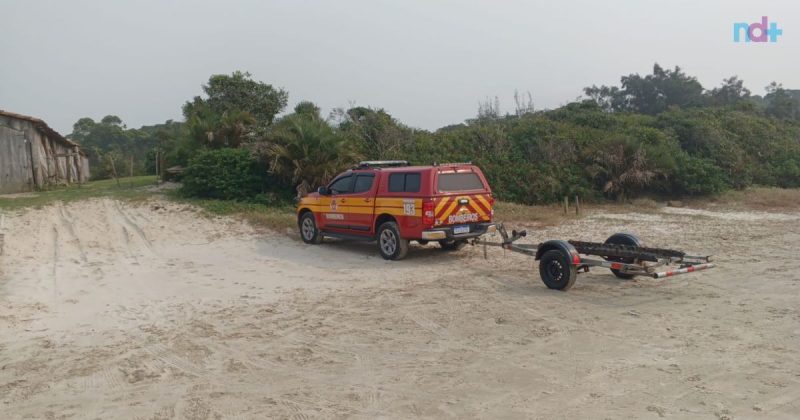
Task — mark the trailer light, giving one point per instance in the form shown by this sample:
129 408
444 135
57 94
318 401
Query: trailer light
576 259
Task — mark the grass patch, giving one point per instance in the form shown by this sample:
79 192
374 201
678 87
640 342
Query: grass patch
134 188
280 217
277 218
548 215
758 198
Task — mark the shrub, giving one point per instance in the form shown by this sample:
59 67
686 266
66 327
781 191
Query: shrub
228 174
698 176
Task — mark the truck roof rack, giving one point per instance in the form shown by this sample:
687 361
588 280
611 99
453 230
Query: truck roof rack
380 164
452 163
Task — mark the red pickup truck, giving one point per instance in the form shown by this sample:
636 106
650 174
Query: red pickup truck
393 203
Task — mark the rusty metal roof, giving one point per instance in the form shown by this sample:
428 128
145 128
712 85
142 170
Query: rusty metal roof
42 126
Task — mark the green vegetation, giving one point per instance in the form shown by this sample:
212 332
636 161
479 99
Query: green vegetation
225 174
305 151
116 151
659 134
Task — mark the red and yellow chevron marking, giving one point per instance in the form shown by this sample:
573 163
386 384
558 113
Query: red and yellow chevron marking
450 206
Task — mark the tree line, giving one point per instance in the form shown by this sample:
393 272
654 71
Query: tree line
661 133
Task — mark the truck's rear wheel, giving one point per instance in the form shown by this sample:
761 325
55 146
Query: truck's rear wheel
622 239
556 270
390 244
308 229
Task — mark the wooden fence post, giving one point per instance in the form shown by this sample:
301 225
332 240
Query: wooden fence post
113 168
577 206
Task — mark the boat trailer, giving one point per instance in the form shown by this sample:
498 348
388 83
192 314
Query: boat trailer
622 253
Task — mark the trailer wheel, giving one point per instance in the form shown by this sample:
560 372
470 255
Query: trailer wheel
556 270
622 239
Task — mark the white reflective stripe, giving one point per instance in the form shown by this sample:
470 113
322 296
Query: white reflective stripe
689 269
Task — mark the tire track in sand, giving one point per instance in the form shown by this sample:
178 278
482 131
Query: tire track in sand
133 225
66 221
54 273
133 238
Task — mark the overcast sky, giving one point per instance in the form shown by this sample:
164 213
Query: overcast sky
426 62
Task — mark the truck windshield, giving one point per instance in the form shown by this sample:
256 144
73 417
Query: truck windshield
465 181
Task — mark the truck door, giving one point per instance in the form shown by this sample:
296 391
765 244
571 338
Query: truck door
360 204
335 216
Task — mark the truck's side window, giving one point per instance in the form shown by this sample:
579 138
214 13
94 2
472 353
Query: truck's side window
397 182
412 182
404 182
343 185
363 183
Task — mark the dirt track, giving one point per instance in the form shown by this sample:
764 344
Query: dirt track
112 311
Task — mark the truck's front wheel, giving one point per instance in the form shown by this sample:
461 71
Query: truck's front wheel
308 229
390 244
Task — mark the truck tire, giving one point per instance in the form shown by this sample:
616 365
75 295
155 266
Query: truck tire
452 244
622 239
556 270
308 229
390 244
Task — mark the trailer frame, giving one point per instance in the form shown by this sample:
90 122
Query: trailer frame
622 253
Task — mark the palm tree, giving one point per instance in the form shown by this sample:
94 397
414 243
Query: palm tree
214 130
621 167
306 151
234 127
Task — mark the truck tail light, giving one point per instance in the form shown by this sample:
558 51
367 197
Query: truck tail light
427 213
491 204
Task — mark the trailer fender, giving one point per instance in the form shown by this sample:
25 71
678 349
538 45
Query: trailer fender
625 239
560 245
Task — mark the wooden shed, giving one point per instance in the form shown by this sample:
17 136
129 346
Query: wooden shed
34 156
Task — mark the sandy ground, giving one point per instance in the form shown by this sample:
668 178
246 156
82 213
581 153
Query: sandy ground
110 310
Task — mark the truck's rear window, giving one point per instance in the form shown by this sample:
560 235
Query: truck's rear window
465 181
